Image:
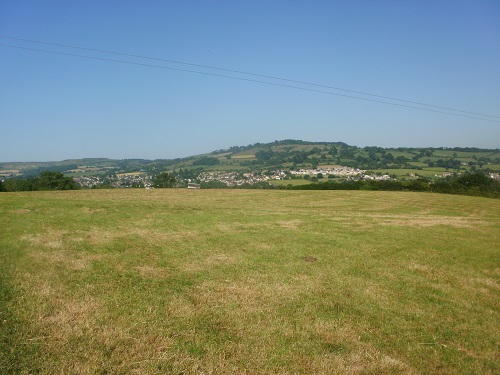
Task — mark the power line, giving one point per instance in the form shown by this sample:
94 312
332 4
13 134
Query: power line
248 73
242 79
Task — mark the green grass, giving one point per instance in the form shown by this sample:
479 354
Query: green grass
245 154
459 154
494 167
418 164
242 281
225 168
396 154
426 172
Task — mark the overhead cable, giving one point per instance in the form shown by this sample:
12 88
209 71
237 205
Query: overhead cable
242 79
249 73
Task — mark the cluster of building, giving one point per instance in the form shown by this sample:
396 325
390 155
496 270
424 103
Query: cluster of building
132 180
238 179
89 181
375 177
338 171
228 178
117 181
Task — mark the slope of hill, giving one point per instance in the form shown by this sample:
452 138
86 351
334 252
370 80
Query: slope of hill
286 155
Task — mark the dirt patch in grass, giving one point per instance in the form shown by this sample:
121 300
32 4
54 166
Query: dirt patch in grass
310 259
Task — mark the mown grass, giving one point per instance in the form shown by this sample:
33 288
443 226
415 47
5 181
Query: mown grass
240 281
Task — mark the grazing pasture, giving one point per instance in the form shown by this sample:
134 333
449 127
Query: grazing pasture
248 281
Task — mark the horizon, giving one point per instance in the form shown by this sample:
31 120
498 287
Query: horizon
257 144
171 80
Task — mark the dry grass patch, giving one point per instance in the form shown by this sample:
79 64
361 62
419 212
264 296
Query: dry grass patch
240 227
89 210
70 316
152 272
370 220
208 262
152 236
421 221
69 259
413 266
345 352
290 224
21 211
52 238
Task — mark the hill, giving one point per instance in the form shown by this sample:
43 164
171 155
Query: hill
278 160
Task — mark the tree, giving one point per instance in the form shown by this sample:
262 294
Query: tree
21 184
475 179
263 155
346 153
164 180
49 180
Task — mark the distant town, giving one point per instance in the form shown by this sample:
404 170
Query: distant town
280 164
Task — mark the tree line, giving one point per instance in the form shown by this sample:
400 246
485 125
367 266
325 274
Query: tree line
47 180
477 184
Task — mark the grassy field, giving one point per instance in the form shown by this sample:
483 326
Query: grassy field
460 154
426 172
244 281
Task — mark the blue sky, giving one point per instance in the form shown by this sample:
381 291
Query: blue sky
54 107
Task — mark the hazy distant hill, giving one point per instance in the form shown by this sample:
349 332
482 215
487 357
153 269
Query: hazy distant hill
285 154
